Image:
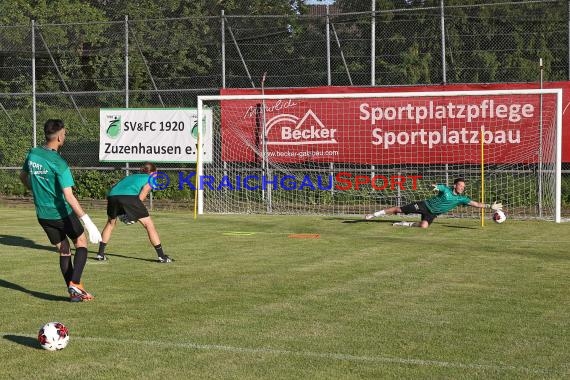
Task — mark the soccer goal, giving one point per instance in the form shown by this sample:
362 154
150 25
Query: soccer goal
350 153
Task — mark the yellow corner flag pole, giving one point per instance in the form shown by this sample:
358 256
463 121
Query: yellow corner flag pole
483 174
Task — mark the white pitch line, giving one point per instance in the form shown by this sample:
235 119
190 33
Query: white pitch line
312 354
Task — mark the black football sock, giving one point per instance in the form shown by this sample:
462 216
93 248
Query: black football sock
159 250
102 248
79 264
66 268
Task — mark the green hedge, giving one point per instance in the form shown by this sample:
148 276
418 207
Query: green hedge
90 184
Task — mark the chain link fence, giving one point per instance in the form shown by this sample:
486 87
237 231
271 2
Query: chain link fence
70 71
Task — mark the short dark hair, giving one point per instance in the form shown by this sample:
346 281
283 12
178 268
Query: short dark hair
51 127
148 167
458 180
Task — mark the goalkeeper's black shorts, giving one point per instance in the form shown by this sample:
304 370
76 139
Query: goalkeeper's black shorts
130 205
57 230
419 208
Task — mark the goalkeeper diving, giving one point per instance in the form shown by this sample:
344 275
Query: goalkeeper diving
446 199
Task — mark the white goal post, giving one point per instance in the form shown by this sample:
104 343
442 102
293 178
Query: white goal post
350 153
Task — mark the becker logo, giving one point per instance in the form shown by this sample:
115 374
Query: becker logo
287 129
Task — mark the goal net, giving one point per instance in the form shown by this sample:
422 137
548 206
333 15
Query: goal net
351 153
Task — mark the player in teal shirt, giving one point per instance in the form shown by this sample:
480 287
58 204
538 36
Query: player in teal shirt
130 185
49 178
447 199
48 174
125 202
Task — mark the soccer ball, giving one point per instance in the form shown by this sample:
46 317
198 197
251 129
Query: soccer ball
499 216
53 336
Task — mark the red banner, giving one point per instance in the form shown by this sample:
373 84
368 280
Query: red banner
376 131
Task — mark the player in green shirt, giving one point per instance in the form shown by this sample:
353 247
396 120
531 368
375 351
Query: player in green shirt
49 178
447 199
125 202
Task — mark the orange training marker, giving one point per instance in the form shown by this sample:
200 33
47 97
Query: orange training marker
305 236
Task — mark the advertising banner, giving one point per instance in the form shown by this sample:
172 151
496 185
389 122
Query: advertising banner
156 135
418 130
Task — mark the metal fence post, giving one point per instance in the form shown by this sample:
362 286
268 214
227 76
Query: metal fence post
34 112
328 33
126 74
443 68
223 36
373 45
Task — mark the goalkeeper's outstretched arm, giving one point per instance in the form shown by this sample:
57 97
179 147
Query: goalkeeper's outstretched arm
495 206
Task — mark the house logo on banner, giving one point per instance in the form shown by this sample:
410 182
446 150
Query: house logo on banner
287 129
113 126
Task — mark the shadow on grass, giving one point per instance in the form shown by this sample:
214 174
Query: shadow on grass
371 221
24 341
110 256
18 241
392 221
456 226
44 296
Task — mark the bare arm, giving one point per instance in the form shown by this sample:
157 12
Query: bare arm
478 204
73 202
144 192
25 179
495 206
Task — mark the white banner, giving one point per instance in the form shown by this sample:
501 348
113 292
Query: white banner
156 135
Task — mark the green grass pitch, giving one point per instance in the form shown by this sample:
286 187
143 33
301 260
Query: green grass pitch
246 301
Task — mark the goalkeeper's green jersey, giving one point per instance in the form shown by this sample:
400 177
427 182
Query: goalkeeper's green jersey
49 174
446 200
130 185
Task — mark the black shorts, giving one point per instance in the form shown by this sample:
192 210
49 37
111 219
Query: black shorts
419 208
130 205
58 229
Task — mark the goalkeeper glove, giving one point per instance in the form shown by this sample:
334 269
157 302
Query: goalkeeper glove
125 219
496 206
92 231
434 188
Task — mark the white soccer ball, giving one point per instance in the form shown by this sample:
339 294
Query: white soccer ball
499 216
53 336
